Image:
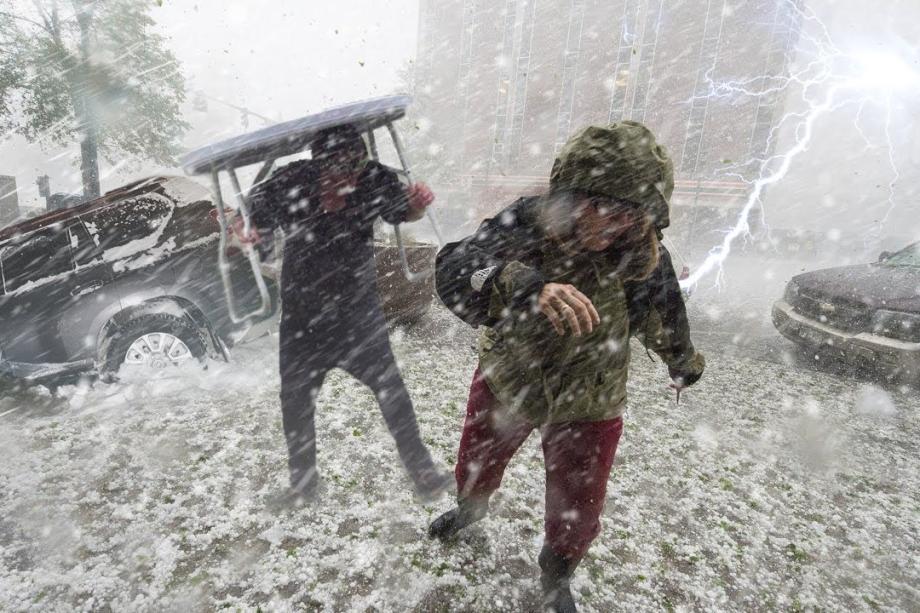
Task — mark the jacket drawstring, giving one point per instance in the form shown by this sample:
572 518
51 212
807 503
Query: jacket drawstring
648 317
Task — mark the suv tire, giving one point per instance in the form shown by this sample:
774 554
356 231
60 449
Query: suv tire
181 328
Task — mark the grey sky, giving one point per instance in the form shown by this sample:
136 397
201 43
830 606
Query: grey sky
842 182
281 59
293 57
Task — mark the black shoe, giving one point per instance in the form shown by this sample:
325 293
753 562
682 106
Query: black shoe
432 483
559 600
449 524
557 572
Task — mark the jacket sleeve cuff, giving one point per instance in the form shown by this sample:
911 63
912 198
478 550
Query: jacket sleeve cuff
481 280
688 371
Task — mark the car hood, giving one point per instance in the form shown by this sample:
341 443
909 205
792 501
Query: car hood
878 286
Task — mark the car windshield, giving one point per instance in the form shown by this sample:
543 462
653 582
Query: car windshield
906 257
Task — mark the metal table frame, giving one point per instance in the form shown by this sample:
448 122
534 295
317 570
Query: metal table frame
267 145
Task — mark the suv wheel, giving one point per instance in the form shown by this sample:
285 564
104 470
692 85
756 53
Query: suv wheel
155 342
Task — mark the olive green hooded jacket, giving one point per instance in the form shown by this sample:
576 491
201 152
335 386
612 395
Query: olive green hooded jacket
492 279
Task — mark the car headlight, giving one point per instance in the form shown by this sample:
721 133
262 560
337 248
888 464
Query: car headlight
898 325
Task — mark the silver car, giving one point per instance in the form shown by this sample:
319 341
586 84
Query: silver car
867 314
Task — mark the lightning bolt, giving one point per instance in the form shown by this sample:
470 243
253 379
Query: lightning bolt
830 80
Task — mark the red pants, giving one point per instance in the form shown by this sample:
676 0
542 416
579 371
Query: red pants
577 455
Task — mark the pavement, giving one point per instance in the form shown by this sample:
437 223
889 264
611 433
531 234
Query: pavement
770 487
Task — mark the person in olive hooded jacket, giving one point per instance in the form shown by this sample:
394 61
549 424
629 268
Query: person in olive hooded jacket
559 284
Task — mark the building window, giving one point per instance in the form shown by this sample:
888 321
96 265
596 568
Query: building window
468 37
699 107
787 24
500 128
522 68
628 37
571 56
647 49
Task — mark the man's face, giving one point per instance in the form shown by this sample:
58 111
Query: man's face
343 164
341 156
600 222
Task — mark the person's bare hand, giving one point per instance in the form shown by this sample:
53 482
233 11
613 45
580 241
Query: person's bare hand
420 196
564 305
239 230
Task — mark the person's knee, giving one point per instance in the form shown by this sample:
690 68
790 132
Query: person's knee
301 384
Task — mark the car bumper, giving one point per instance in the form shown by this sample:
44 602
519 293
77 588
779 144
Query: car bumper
860 346
33 373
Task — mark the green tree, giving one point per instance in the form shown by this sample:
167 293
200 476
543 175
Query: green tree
91 72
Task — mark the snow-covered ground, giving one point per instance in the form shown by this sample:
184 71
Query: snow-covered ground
768 488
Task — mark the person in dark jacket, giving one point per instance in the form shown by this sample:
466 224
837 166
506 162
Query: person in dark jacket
559 284
331 311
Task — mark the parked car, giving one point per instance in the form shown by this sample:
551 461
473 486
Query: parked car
128 278
867 314
131 278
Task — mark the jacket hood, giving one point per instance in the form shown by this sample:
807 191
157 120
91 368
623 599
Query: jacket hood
622 161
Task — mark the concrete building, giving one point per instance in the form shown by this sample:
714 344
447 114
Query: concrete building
504 83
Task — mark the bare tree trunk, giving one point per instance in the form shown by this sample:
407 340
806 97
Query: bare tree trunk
80 83
86 112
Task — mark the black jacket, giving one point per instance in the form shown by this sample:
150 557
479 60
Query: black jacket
328 257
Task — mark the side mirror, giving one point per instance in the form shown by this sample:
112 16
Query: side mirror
884 255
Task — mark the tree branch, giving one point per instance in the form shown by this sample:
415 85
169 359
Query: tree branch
25 19
55 22
44 16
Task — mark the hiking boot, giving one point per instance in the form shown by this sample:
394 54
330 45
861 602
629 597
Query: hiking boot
465 513
554 579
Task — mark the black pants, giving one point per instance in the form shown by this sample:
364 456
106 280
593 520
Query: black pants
310 348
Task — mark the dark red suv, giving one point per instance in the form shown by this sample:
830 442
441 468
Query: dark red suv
128 278
132 278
